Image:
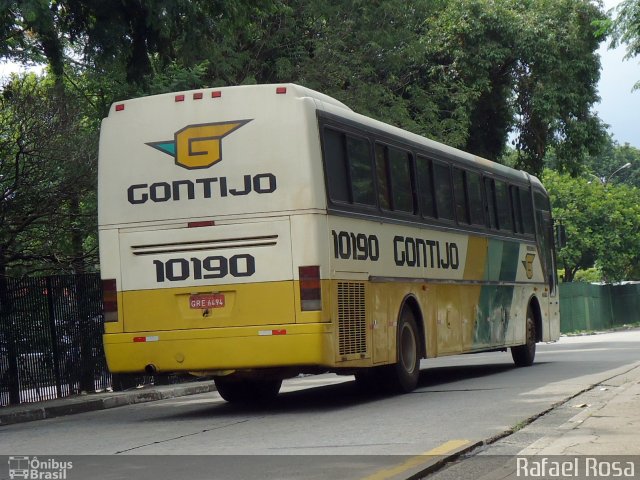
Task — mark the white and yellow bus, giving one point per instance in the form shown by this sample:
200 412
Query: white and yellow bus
254 233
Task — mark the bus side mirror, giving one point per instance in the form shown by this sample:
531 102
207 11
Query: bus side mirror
561 236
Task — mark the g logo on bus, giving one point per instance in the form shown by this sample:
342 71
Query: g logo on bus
528 264
198 146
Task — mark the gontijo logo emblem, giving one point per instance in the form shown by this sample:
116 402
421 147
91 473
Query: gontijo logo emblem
198 146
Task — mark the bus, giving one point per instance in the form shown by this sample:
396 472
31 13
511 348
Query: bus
255 233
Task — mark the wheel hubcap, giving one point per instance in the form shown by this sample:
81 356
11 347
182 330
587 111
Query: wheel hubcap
408 349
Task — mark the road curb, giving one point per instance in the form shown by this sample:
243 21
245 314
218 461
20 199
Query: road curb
101 401
437 462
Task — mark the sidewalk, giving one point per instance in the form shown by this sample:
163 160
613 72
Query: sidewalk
608 423
28 412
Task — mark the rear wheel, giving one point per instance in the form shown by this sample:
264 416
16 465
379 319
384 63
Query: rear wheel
404 375
247 390
524 355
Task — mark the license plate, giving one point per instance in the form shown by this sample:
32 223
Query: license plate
208 300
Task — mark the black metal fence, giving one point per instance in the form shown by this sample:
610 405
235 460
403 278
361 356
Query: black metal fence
51 338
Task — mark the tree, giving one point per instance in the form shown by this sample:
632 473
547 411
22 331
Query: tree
529 66
602 222
625 28
47 181
606 166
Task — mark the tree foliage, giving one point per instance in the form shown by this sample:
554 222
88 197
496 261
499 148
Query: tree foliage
602 222
609 166
47 181
625 28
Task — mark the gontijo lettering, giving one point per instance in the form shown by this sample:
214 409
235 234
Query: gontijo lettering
201 188
418 252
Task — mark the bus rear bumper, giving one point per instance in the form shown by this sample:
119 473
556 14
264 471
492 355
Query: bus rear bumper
220 349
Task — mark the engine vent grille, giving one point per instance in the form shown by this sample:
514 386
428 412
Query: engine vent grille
352 324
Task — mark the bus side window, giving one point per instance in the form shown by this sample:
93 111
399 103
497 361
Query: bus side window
336 165
474 195
360 169
527 211
401 185
517 209
425 186
382 176
442 181
393 172
505 219
492 212
460 196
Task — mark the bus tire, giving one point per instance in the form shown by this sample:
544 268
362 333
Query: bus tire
524 355
247 390
404 374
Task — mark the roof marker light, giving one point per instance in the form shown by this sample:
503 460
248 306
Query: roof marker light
281 90
119 107
216 94
203 223
197 96
179 98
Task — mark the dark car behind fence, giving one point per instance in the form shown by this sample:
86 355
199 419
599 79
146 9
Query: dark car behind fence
51 338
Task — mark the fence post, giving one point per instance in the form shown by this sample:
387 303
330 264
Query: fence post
6 322
84 313
54 337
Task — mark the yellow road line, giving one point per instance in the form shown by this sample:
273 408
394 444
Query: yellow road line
413 462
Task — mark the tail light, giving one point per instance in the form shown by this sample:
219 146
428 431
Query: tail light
110 300
310 291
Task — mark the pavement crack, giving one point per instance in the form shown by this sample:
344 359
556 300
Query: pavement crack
193 434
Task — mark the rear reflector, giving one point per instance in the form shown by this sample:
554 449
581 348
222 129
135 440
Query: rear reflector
267 333
310 291
110 300
154 338
281 90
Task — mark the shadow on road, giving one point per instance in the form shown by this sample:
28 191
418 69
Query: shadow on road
344 395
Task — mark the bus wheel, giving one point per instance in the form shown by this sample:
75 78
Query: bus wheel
405 373
523 355
247 390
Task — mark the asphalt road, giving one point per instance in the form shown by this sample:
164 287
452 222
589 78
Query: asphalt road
321 426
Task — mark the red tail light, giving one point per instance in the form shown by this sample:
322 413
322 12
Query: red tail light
310 291
110 300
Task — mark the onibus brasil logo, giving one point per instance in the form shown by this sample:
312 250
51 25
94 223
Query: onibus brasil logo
34 468
198 146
